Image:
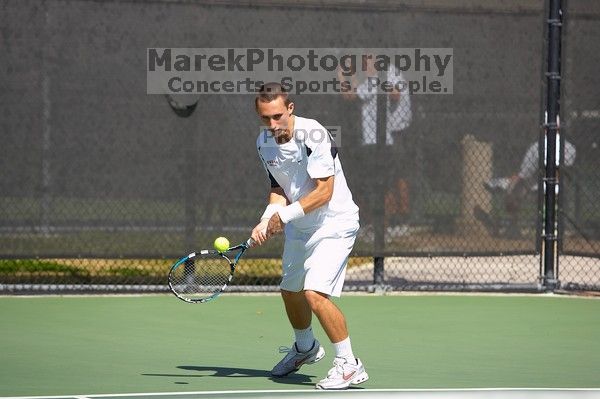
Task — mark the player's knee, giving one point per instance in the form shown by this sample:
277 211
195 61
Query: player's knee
315 298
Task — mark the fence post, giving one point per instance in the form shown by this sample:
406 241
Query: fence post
550 279
381 163
46 186
378 275
184 107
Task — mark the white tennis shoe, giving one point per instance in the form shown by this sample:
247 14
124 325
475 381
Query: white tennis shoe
295 359
343 374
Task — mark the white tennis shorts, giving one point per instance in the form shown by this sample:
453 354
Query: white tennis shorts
317 261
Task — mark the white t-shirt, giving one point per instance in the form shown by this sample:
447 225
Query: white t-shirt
293 166
399 114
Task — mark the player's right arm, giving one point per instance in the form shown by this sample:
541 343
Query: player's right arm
277 200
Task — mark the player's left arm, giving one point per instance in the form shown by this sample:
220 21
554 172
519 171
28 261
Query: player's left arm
318 197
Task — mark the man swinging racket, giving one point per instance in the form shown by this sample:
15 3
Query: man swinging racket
311 204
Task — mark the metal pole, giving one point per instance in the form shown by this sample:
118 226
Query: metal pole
379 206
184 107
550 281
45 200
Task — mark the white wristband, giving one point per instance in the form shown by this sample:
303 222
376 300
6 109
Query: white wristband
270 210
291 212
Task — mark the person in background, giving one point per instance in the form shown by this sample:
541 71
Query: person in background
399 117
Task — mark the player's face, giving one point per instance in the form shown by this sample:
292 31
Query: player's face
276 117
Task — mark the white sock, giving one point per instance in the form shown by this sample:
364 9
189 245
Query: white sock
343 349
304 339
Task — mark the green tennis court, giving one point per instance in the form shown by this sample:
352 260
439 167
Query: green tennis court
153 344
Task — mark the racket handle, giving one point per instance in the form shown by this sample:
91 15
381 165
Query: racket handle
250 242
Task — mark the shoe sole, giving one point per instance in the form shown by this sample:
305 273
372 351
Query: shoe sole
318 356
362 377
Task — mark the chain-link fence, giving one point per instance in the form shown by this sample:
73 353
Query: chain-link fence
103 185
579 211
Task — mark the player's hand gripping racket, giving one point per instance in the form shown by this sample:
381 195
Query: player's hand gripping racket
202 276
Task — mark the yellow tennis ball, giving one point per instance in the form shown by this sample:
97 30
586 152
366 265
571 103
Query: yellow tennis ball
221 244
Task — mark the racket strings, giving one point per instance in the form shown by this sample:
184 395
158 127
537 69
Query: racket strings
200 277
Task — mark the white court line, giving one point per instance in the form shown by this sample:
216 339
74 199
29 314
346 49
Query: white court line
275 292
555 392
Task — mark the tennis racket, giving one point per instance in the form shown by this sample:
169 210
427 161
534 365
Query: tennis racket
202 276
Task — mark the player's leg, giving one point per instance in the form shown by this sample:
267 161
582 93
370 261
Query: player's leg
330 316
326 271
300 317
305 349
347 369
297 309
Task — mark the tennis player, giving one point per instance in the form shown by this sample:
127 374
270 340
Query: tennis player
310 202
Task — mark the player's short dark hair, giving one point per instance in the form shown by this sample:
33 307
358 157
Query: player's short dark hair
270 92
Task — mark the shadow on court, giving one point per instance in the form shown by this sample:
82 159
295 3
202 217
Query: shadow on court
235 372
